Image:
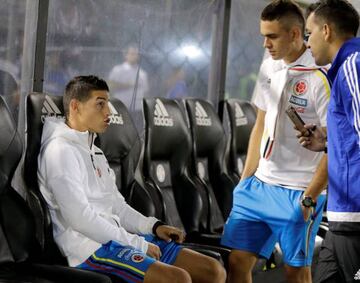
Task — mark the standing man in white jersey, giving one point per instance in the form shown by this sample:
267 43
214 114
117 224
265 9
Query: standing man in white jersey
128 81
273 201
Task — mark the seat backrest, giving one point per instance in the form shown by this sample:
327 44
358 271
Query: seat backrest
10 146
121 145
167 164
17 228
210 155
146 199
6 256
242 117
38 107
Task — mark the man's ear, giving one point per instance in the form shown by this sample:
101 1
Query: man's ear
295 33
74 105
327 31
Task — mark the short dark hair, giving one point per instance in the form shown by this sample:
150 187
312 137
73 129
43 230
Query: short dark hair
339 13
284 9
80 88
311 8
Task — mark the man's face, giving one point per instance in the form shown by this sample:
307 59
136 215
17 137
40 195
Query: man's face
93 114
316 41
277 40
132 56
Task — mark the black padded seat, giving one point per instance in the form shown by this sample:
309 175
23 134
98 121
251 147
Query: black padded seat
210 154
167 163
242 117
121 145
38 107
167 158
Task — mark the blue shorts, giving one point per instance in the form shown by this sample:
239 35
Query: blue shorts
264 214
126 262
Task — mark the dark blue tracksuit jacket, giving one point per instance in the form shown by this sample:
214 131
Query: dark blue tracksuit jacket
343 124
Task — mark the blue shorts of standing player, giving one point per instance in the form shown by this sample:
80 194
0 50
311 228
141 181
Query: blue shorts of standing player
264 214
128 263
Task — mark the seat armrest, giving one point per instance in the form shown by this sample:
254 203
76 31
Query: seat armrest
212 251
204 239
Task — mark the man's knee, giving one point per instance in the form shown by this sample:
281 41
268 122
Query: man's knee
242 261
178 275
163 273
214 271
298 274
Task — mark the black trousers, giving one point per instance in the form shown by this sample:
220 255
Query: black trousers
339 259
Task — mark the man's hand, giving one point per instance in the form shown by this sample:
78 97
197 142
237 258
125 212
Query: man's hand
306 212
169 233
153 251
315 141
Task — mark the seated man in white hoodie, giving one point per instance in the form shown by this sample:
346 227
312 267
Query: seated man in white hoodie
93 226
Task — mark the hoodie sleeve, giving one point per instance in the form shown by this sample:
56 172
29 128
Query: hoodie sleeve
132 220
348 87
64 171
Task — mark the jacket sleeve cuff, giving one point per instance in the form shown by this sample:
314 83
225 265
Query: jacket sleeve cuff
156 225
144 246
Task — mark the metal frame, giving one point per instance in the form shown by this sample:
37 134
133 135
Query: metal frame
40 48
217 74
34 67
33 54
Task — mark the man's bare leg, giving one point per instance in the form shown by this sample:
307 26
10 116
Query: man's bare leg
202 269
241 264
160 272
298 274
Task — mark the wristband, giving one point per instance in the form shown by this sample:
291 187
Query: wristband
156 225
308 201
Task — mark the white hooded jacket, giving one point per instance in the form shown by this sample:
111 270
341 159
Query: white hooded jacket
79 187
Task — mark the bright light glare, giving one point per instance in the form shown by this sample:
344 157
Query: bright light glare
191 51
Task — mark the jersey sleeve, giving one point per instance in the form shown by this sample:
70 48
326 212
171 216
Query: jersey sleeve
261 88
321 93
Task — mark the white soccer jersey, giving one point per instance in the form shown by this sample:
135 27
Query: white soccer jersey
127 74
283 160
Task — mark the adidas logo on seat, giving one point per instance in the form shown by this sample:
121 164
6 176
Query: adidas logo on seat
202 118
240 118
50 109
115 117
162 117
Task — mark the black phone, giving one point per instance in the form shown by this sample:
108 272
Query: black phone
296 119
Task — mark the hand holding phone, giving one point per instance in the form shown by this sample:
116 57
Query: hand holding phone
297 121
